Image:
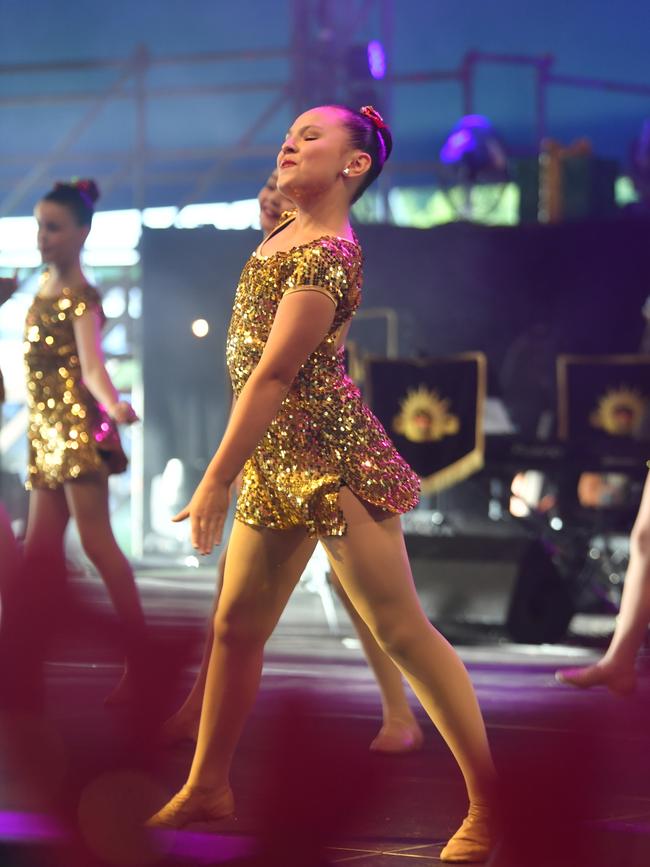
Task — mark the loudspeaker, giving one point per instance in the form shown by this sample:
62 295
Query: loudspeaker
505 581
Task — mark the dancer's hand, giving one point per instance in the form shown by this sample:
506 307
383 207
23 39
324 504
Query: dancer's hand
8 286
207 511
123 413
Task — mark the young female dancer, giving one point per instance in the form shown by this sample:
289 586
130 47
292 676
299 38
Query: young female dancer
616 669
400 731
316 465
73 411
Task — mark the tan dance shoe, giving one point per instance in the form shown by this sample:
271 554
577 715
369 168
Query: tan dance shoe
473 841
193 804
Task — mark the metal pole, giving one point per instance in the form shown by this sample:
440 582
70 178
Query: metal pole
30 180
467 77
541 86
140 143
387 30
207 178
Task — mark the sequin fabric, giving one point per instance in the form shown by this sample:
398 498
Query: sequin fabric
323 437
69 434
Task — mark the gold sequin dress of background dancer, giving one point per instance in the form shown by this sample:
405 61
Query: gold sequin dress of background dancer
323 436
69 433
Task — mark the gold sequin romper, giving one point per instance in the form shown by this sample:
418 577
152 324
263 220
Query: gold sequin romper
69 433
323 437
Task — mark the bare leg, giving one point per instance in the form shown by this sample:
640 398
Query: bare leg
184 724
616 669
33 601
87 500
400 732
262 568
372 564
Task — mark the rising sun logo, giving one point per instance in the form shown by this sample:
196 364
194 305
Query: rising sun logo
424 417
620 411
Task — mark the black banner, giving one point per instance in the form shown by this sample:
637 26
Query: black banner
433 410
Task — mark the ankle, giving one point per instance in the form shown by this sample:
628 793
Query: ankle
401 716
207 789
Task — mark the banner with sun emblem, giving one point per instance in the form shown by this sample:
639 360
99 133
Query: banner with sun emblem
603 396
432 408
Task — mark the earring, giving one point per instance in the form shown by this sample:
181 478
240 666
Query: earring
346 171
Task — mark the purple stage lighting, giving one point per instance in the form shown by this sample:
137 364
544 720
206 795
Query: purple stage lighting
376 59
473 151
462 139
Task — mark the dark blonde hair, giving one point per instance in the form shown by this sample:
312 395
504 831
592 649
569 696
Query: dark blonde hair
78 196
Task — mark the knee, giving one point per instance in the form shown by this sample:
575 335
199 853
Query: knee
395 637
98 546
238 627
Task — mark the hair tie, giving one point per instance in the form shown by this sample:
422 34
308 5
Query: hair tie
81 186
373 115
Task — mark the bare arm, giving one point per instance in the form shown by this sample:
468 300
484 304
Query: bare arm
87 332
301 323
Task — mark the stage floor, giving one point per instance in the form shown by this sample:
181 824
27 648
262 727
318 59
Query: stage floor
576 764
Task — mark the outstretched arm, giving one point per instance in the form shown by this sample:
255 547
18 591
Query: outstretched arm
301 323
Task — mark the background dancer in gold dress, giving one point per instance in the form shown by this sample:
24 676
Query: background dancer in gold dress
616 670
316 465
400 731
73 412
9 556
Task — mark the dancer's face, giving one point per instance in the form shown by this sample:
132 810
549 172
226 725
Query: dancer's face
272 203
60 237
315 152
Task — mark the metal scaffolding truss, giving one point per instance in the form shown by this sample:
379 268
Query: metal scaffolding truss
312 62
139 169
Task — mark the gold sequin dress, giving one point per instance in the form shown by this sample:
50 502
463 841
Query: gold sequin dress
69 432
323 437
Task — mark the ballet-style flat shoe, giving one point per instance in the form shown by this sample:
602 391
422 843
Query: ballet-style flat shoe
398 737
621 683
193 805
472 842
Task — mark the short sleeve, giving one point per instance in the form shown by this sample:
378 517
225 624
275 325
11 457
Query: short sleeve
85 300
319 268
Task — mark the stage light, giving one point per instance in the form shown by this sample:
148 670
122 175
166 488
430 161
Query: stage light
200 328
474 146
473 160
376 59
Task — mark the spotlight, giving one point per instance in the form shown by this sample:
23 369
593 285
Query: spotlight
376 59
473 156
200 327
475 150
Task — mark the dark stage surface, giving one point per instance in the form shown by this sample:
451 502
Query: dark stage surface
577 762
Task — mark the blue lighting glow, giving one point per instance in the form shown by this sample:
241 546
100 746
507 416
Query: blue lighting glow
466 138
376 59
